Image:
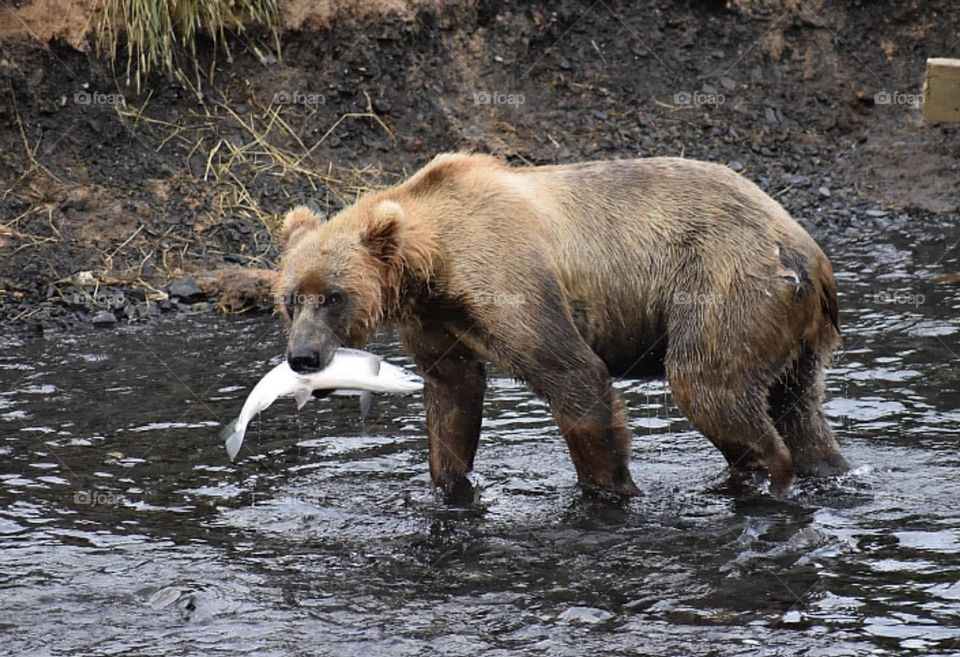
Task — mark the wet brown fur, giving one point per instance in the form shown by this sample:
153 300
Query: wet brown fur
565 275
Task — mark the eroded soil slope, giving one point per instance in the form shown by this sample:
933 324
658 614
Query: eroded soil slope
106 195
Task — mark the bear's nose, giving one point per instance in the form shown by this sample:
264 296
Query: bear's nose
304 361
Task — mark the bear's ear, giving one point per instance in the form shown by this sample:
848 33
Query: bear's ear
381 237
297 222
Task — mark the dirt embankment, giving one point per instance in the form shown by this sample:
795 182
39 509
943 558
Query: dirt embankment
107 196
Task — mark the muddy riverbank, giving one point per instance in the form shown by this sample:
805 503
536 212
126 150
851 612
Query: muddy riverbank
108 196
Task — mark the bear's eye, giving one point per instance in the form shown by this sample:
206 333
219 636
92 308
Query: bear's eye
332 299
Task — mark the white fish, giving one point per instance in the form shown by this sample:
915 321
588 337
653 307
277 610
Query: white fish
351 372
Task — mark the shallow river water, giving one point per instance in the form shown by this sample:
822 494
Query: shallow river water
125 531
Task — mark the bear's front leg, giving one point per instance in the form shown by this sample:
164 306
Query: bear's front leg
454 385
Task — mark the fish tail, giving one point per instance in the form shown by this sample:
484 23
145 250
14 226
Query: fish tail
233 438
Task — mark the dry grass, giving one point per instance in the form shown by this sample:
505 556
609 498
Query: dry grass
271 155
154 32
30 152
271 152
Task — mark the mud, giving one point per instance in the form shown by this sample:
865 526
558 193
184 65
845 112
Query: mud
107 196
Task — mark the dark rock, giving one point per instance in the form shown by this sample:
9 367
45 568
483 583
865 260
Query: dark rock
796 180
236 138
374 143
824 192
735 165
104 318
198 167
186 290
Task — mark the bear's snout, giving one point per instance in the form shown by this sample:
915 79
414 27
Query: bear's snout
311 345
305 360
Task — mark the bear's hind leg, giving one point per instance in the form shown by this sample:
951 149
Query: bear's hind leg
796 408
736 421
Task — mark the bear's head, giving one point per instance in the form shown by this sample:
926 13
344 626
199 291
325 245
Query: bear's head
340 279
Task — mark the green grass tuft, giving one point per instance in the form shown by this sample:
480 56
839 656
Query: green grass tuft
156 31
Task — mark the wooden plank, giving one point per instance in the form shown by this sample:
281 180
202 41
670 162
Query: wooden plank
941 102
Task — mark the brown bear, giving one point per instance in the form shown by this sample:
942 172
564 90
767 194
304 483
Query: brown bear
566 276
